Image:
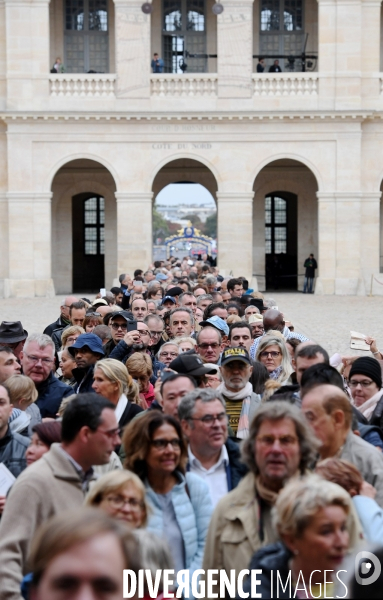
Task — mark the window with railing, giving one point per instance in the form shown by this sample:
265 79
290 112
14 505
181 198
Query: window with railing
184 36
282 31
86 36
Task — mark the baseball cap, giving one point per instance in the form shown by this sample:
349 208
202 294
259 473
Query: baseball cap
165 298
191 364
216 322
125 314
231 354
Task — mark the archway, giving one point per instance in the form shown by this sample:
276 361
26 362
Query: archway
84 239
285 226
184 192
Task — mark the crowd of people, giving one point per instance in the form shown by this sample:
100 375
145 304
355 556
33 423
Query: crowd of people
180 422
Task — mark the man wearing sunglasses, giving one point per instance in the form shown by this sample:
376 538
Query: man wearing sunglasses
212 455
118 325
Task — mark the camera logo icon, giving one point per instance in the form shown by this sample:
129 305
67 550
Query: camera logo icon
367 568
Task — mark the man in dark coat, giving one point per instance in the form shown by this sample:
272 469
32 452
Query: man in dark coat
310 266
37 361
63 320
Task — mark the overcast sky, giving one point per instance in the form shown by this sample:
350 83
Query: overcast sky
182 193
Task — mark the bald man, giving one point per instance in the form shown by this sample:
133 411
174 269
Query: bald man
329 414
63 320
273 320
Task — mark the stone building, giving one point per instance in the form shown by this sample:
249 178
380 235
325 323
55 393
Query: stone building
294 160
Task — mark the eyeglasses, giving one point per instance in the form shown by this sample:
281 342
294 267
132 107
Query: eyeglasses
72 339
93 314
363 384
284 441
119 502
112 433
117 326
210 419
206 346
162 444
35 359
273 354
171 354
156 333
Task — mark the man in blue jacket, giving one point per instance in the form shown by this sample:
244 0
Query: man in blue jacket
212 454
37 361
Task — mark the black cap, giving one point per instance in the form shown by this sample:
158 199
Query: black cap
238 353
368 366
125 314
190 364
12 332
174 291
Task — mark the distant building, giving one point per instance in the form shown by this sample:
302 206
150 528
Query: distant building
293 160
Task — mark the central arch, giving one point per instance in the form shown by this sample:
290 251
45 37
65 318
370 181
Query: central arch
184 171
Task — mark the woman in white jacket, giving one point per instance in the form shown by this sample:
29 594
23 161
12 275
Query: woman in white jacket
181 506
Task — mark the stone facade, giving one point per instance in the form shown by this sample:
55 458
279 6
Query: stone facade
126 134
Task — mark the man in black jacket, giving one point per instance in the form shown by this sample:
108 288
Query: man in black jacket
212 455
37 361
12 445
64 319
86 350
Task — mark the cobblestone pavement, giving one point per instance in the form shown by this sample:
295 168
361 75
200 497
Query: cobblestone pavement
325 319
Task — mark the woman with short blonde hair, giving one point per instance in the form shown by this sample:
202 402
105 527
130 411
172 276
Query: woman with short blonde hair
272 352
70 335
313 518
112 380
120 494
140 368
185 343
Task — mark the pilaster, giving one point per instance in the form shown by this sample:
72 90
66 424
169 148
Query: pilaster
235 233
29 230
27 51
235 49
132 50
134 230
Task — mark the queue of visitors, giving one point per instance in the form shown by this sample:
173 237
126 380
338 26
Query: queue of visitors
180 422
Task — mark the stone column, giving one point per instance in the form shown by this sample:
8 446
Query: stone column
370 58
134 230
235 49
132 50
29 228
325 282
326 52
370 236
27 51
235 233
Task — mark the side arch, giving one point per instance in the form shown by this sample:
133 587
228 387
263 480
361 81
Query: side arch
289 156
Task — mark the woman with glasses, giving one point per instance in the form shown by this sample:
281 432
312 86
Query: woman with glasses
272 353
121 494
70 335
365 384
180 502
112 380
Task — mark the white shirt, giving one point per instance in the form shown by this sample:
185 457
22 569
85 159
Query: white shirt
121 405
215 477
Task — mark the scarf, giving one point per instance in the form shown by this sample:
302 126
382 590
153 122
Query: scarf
368 407
245 396
276 373
267 495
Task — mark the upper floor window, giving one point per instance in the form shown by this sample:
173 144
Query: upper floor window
282 31
184 34
86 36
